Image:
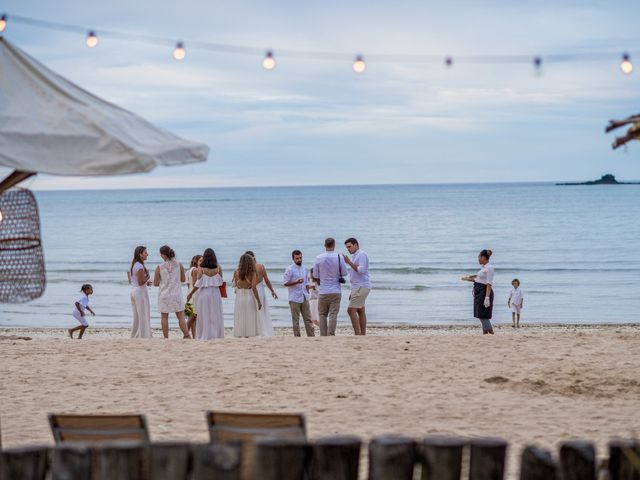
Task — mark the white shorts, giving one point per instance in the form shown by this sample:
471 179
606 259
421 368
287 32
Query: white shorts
81 319
515 309
358 297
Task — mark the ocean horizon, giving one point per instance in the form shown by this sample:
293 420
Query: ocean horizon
572 248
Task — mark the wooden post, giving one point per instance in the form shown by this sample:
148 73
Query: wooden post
391 458
441 458
336 458
577 460
538 464
487 459
170 461
29 463
276 459
121 460
624 460
217 461
71 462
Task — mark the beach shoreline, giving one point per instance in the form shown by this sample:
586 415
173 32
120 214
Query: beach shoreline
538 385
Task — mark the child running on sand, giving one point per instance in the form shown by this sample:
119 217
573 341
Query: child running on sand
79 310
515 302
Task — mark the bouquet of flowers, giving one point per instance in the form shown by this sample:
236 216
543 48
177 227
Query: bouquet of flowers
188 309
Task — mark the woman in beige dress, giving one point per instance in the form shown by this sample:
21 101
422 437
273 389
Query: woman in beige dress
246 318
169 277
263 279
138 277
192 277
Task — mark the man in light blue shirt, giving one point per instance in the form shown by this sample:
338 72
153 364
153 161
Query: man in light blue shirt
295 279
328 271
360 285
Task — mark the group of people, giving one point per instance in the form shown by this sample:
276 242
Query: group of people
314 294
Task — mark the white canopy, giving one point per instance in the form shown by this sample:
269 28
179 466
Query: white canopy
49 125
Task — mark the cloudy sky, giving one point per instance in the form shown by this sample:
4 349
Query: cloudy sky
314 121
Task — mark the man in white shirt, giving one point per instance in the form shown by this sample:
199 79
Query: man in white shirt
328 271
360 285
295 279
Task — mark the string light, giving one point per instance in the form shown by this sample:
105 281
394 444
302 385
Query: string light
3 23
448 61
269 63
626 66
179 52
537 63
358 65
0 216
92 39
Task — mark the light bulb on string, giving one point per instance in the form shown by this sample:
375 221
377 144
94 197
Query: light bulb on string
0 216
92 39
626 66
537 65
358 65
269 63
3 23
448 61
179 52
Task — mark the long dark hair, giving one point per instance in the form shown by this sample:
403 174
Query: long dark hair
137 253
168 252
194 260
246 267
209 259
486 254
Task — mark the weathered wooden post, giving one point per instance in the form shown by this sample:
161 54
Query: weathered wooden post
577 460
280 458
624 460
487 459
538 464
71 462
441 458
391 458
217 461
336 458
170 461
29 463
121 460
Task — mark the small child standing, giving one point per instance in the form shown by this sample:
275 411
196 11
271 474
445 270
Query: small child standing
79 310
516 302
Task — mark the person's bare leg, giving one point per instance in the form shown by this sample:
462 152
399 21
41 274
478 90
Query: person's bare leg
518 320
71 330
183 325
355 322
362 313
164 321
82 329
191 325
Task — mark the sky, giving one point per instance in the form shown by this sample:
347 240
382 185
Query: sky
312 121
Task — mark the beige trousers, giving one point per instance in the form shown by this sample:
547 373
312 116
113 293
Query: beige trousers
296 310
328 306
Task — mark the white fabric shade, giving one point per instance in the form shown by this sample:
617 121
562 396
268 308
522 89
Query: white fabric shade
50 125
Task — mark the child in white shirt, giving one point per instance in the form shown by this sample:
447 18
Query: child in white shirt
515 302
79 310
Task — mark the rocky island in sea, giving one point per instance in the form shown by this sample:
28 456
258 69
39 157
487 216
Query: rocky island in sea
607 179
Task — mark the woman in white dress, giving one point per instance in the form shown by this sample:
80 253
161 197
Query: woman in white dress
138 277
263 278
169 277
210 322
313 298
192 277
246 317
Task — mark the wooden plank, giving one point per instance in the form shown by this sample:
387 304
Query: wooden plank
624 460
336 458
217 461
28 463
121 460
487 459
577 460
441 458
276 459
538 464
170 460
392 458
71 462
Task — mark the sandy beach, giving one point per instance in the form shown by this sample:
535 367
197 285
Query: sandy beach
539 384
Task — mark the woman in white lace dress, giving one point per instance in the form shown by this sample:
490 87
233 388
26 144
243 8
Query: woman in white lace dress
210 323
263 279
169 277
246 317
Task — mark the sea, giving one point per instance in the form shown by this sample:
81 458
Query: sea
575 249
